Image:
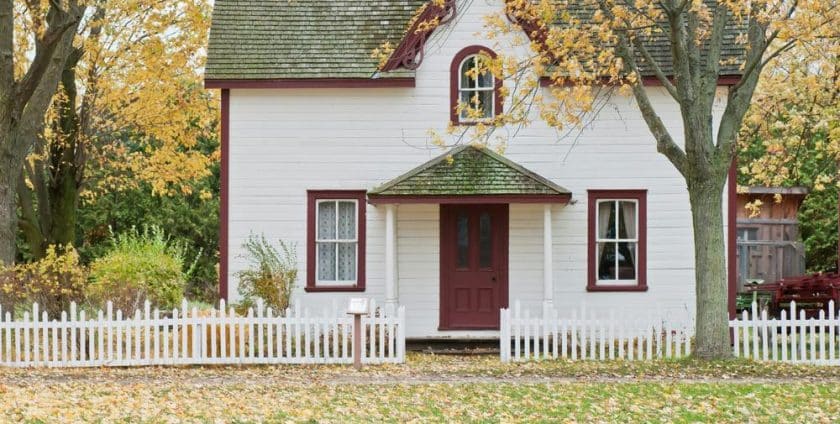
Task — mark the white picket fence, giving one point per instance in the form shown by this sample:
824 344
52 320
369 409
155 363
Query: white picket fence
588 336
591 337
813 340
184 336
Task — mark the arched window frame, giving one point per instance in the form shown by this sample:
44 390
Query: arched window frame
455 81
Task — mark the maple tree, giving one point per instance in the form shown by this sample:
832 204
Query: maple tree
791 137
35 39
592 49
130 109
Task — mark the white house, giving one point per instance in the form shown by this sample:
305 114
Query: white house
321 150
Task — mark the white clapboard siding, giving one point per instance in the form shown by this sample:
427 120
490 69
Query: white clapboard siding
792 337
185 336
585 335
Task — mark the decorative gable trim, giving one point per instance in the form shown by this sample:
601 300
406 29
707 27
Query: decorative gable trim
410 52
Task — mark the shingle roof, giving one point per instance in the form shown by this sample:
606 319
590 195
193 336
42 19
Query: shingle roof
469 171
659 46
276 39
269 39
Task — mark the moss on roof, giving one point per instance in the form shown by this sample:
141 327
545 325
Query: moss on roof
469 170
274 39
268 39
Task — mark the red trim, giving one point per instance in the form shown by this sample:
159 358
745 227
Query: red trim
224 194
455 76
592 279
310 83
732 234
410 52
652 81
475 199
312 196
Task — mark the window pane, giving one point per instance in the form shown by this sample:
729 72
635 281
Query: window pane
485 103
326 261
465 103
485 79
626 261
606 261
606 220
347 261
347 220
485 241
463 241
468 73
326 220
627 220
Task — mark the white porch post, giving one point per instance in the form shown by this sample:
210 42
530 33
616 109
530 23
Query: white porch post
391 285
548 274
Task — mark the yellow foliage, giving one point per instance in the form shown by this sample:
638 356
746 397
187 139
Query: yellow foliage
139 79
53 282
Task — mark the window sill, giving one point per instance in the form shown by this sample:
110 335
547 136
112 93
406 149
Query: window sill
317 289
603 288
460 123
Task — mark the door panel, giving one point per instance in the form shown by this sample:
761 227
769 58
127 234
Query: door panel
474 262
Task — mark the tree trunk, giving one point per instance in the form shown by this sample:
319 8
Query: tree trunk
8 200
712 330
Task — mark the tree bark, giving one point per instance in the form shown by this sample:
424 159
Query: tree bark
712 327
23 103
8 214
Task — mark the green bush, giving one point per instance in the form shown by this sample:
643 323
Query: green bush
140 266
271 273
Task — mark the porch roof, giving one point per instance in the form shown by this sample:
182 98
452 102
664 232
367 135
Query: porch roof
469 174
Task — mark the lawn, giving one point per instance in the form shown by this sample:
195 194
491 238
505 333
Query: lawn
441 388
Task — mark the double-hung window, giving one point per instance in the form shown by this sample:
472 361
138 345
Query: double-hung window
336 246
617 240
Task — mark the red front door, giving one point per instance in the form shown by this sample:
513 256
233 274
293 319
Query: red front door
473 266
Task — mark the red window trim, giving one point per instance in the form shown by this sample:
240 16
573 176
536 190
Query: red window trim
592 279
455 76
312 197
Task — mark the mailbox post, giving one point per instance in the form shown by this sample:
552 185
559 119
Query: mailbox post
358 306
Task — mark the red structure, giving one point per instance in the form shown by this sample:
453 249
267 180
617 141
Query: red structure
811 293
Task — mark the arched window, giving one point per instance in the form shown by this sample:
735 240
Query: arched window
475 90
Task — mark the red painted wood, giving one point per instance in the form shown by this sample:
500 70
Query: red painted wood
410 52
471 199
732 235
224 195
592 257
455 76
471 295
310 83
312 196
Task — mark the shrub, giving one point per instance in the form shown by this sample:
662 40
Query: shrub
271 274
53 282
140 266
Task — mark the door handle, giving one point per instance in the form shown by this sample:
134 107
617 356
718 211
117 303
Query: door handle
493 278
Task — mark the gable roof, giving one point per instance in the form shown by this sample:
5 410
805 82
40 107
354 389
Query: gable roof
469 170
316 39
276 39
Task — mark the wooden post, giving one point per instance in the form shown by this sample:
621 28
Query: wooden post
548 276
357 341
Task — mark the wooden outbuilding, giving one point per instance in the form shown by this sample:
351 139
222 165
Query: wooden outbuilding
769 246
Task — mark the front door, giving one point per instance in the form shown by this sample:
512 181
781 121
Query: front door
473 266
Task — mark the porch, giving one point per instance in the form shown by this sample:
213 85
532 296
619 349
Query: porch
465 234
